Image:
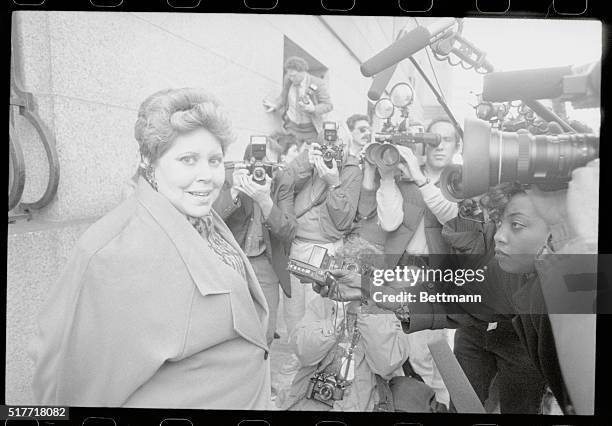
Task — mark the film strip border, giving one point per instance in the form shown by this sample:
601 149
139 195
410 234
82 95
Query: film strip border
137 417
557 9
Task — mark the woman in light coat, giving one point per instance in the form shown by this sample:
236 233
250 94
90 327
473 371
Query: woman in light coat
158 306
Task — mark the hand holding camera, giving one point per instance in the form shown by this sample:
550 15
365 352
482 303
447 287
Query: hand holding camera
412 165
331 176
306 106
346 286
314 151
257 192
237 175
369 171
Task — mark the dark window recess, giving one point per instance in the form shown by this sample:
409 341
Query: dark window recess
315 67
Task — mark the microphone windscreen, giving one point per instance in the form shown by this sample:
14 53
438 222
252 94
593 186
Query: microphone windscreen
380 82
544 83
406 46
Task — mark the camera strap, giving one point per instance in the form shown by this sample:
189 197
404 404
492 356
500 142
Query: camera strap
342 359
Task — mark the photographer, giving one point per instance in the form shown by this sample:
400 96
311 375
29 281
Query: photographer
367 225
378 346
413 212
325 206
303 101
262 219
289 147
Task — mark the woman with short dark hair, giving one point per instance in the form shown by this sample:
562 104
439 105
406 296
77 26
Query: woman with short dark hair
158 306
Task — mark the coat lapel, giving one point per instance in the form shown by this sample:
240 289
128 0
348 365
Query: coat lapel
210 275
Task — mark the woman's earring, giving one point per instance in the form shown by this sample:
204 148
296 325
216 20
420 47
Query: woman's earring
149 174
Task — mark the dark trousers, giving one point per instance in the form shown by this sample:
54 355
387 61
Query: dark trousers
484 354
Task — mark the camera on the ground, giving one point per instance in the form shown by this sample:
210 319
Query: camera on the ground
325 388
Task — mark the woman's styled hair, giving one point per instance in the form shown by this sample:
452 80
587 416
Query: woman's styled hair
168 113
296 63
498 197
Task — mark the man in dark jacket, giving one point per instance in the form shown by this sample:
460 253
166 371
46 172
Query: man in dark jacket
262 219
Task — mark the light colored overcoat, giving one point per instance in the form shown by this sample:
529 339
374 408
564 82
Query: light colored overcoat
146 315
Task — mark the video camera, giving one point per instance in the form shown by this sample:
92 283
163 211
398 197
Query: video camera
254 161
491 157
318 266
540 151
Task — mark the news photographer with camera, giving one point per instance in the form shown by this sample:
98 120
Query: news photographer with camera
289 147
327 178
348 352
262 219
366 224
412 211
303 102
158 306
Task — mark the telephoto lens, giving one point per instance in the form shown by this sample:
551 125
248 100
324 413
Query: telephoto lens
491 157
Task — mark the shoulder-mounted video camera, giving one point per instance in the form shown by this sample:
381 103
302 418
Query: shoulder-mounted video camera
318 266
491 157
254 161
494 155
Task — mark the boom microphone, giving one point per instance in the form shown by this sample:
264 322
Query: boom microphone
380 82
544 83
406 46
580 84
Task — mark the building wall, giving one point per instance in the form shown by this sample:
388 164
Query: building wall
89 72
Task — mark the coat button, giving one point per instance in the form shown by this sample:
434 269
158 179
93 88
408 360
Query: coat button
265 354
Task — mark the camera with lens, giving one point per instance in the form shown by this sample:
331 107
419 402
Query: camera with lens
330 153
541 151
492 156
325 388
383 152
318 266
254 160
